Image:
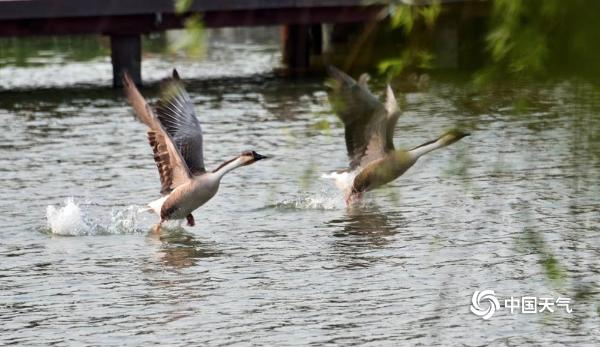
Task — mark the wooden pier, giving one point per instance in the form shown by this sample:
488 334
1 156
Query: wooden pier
124 21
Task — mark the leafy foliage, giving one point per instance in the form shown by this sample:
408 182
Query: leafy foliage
537 39
408 18
523 39
191 40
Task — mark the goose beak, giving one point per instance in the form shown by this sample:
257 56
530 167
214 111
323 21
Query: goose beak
257 156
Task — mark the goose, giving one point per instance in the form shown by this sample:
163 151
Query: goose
369 132
175 135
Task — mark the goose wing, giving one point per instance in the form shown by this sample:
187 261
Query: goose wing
393 113
391 106
365 119
172 168
176 113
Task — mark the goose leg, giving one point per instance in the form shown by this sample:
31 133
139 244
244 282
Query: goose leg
190 220
155 231
353 198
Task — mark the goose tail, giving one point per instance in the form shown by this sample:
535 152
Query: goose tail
156 205
342 179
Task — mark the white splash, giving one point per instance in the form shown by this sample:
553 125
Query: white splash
67 220
71 220
313 202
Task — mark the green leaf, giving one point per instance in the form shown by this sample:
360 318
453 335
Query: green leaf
182 6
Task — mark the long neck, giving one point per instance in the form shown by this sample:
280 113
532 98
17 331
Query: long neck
425 148
228 166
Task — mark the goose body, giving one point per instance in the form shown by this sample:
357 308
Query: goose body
175 136
187 197
369 131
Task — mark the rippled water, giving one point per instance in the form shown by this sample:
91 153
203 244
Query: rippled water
275 257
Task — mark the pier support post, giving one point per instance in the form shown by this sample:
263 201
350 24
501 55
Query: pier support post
126 55
316 39
446 44
296 47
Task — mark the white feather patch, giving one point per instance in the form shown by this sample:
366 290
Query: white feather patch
156 205
343 180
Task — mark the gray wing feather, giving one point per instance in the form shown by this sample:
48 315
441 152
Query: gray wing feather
364 118
393 113
177 115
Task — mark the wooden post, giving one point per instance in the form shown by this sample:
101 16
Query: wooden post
296 47
446 43
126 55
316 39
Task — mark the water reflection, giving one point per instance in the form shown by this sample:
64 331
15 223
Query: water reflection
533 241
366 221
364 229
180 248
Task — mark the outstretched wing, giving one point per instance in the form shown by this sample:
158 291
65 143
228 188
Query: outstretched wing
172 169
365 119
178 117
393 113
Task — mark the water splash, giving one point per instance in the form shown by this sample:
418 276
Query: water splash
124 221
72 220
312 202
67 220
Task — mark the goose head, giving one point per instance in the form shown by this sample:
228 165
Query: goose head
250 157
452 136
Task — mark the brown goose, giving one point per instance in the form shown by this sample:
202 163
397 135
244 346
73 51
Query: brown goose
369 131
175 136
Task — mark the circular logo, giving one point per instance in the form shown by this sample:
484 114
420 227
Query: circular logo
483 296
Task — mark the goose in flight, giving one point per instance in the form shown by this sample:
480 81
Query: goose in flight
369 131
175 136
